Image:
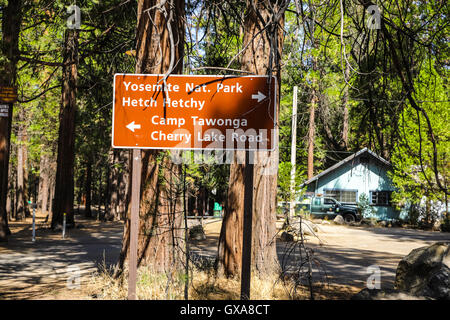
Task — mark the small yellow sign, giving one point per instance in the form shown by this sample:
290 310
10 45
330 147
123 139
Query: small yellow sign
8 94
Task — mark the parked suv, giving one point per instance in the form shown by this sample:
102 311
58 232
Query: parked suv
321 207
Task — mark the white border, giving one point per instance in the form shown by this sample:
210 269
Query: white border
196 76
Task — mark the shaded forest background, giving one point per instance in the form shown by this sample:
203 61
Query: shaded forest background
363 82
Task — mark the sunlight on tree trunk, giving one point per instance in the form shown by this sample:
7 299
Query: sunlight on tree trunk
64 184
161 215
11 21
262 57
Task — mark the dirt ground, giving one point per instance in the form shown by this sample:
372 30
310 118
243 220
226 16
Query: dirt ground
345 252
50 267
342 254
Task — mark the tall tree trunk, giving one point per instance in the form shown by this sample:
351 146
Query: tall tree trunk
23 210
160 206
230 239
106 195
11 21
51 200
44 183
10 197
260 57
311 133
99 193
44 203
123 193
25 173
20 195
114 185
88 189
345 110
64 183
42 165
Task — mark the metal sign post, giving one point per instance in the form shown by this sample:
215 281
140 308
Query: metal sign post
247 232
134 223
188 112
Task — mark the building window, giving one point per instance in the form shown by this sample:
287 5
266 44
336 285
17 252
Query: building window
343 196
380 198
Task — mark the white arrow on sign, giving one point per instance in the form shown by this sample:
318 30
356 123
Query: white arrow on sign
260 96
133 126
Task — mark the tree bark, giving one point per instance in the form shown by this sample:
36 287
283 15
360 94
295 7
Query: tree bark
64 184
311 133
88 189
260 57
230 239
44 197
106 194
345 110
25 172
23 210
98 193
51 200
113 183
161 215
11 21
10 201
20 195
120 191
44 183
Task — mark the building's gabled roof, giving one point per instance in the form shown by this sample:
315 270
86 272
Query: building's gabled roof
346 160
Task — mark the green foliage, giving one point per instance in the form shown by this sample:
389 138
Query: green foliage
382 117
365 82
413 158
284 182
364 206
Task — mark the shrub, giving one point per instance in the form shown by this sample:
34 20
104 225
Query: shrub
445 226
364 206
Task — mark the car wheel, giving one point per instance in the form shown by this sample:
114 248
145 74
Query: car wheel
349 218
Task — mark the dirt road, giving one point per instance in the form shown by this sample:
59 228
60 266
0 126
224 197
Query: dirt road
344 253
39 270
347 252
47 268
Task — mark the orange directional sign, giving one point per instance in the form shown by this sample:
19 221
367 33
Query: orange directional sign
194 112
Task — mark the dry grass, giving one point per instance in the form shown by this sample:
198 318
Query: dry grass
205 285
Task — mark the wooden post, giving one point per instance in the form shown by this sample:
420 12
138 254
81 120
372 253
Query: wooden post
134 223
247 230
186 236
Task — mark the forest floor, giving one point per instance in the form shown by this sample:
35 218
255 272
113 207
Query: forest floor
49 267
